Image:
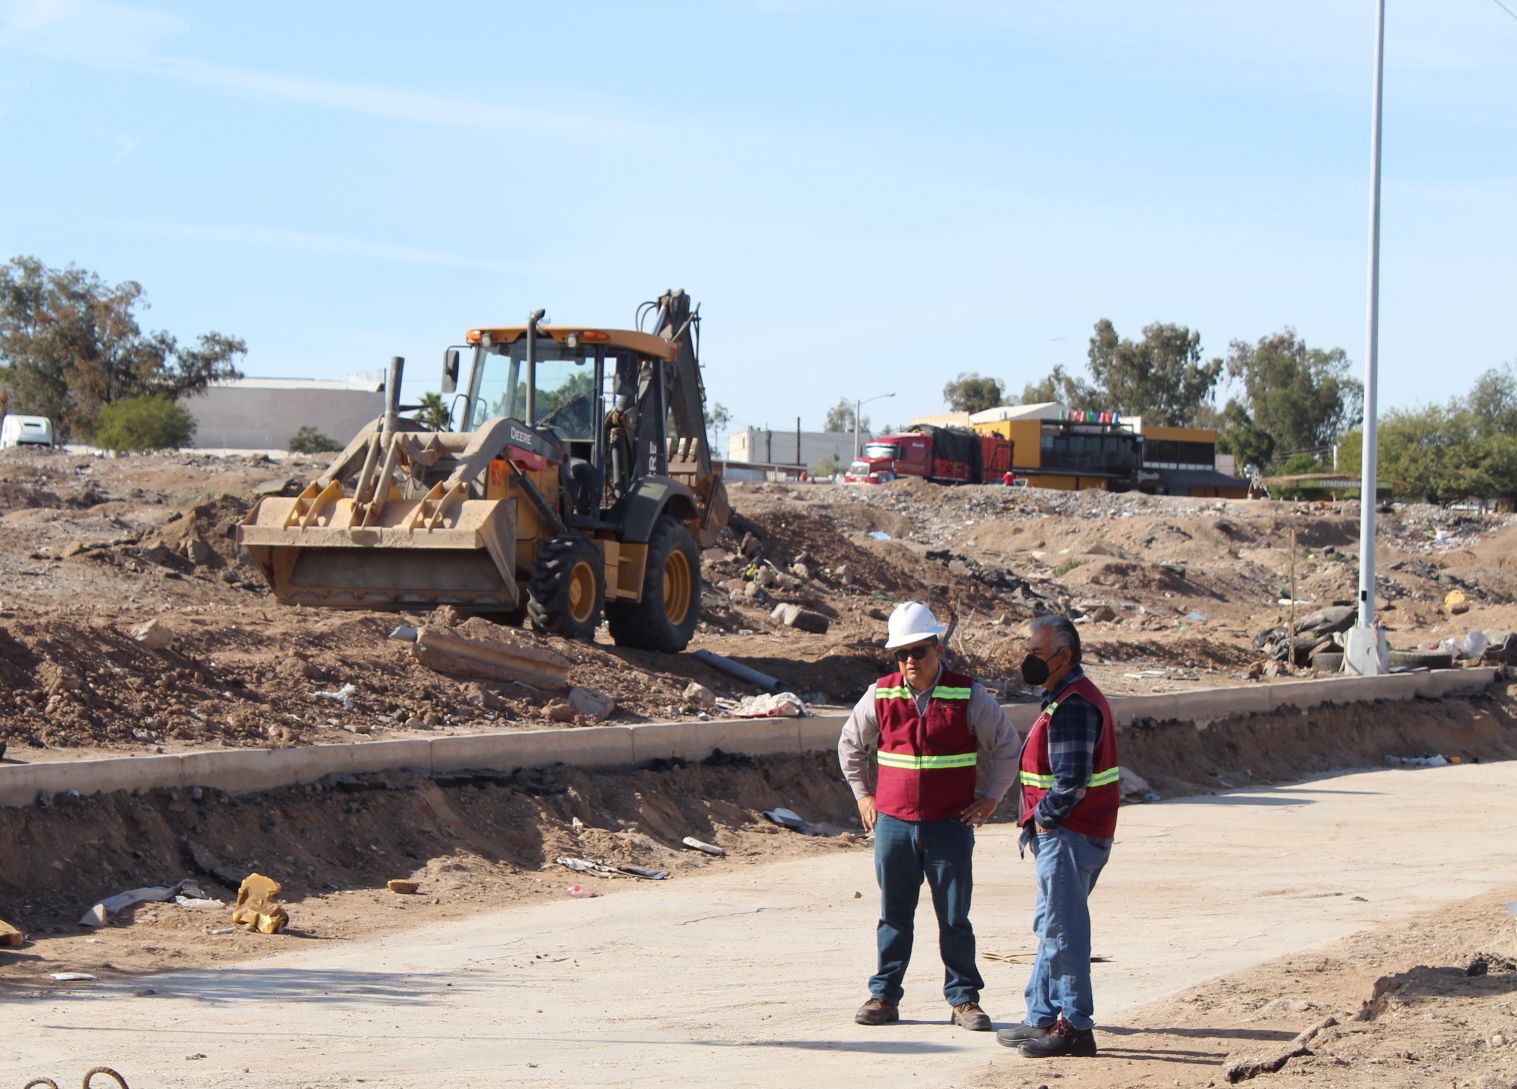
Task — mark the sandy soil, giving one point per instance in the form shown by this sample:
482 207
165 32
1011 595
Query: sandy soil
1172 591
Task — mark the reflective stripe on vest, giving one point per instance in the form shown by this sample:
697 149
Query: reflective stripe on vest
904 692
1099 779
923 763
1046 782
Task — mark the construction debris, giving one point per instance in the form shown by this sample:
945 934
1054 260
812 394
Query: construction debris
699 845
491 659
154 635
774 705
186 893
10 936
592 703
258 907
793 616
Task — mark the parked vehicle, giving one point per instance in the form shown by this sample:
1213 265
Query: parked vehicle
580 486
26 431
944 455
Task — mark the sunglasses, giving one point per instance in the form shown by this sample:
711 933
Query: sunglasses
916 653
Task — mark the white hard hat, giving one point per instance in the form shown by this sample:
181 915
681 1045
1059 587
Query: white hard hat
911 622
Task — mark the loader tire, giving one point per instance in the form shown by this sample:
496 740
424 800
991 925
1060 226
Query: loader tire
567 591
665 618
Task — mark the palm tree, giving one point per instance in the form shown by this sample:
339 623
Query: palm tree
434 412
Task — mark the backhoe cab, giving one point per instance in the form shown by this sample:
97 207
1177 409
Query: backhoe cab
580 485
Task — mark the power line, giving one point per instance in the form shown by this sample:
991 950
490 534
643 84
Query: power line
1504 8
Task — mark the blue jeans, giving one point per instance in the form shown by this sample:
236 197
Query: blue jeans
906 852
1068 865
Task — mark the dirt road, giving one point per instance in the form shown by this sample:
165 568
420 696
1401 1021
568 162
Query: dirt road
748 976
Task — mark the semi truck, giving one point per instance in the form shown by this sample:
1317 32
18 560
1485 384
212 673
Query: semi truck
944 455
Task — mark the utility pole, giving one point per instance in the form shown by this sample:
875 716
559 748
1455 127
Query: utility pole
1364 651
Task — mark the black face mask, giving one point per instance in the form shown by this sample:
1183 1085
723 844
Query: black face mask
1034 670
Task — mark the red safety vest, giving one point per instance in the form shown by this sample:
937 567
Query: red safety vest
1096 813
927 763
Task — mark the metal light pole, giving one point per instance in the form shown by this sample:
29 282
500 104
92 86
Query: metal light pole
1364 652
857 405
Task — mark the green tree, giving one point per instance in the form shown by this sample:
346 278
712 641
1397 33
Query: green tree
1160 377
1493 402
717 419
70 345
1297 464
432 411
1496 454
1429 454
1067 389
307 440
144 422
974 393
840 418
827 465
1302 397
1238 435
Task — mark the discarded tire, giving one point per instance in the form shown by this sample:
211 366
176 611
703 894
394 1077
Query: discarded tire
1328 661
1419 659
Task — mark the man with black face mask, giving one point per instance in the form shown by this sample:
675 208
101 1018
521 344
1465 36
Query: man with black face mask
1069 797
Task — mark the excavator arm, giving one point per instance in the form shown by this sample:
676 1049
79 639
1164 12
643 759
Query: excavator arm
683 398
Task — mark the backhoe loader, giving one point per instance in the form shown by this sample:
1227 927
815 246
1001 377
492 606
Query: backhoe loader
578 485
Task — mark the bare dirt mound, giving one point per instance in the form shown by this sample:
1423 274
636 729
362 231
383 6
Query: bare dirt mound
1423 1003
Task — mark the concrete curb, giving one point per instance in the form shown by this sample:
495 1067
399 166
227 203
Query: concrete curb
241 771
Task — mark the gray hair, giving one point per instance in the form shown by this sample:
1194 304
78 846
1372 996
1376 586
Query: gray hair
1064 633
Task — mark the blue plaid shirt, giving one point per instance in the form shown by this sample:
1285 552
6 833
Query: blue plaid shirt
1072 734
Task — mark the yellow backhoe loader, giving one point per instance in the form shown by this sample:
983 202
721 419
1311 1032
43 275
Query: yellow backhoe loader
578 484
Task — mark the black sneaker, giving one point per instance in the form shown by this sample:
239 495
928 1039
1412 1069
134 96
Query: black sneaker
1020 1034
1060 1040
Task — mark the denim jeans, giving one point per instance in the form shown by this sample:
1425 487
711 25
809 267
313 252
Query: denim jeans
1068 865
906 852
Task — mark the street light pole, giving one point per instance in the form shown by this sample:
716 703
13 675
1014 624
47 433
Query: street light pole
1364 650
857 406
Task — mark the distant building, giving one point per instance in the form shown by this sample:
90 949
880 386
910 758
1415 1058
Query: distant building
761 446
265 413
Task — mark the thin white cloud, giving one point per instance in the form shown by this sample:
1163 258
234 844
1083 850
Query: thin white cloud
83 28
287 241
124 38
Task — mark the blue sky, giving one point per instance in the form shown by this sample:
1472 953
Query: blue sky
866 198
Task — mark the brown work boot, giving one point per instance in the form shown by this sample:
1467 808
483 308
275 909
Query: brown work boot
969 1015
877 1012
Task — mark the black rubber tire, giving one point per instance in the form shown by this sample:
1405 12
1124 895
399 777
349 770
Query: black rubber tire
567 591
665 619
1328 661
1415 659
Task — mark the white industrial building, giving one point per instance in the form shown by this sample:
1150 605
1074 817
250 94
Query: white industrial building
265 413
761 446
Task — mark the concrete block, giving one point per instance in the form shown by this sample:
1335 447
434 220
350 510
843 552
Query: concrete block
592 746
820 733
242 771
21 783
373 756
696 740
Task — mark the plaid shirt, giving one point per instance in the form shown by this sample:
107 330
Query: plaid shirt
1072 734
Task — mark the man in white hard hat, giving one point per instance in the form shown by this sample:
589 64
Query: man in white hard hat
946 755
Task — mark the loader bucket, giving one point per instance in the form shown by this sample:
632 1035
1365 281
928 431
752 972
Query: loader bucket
323 549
